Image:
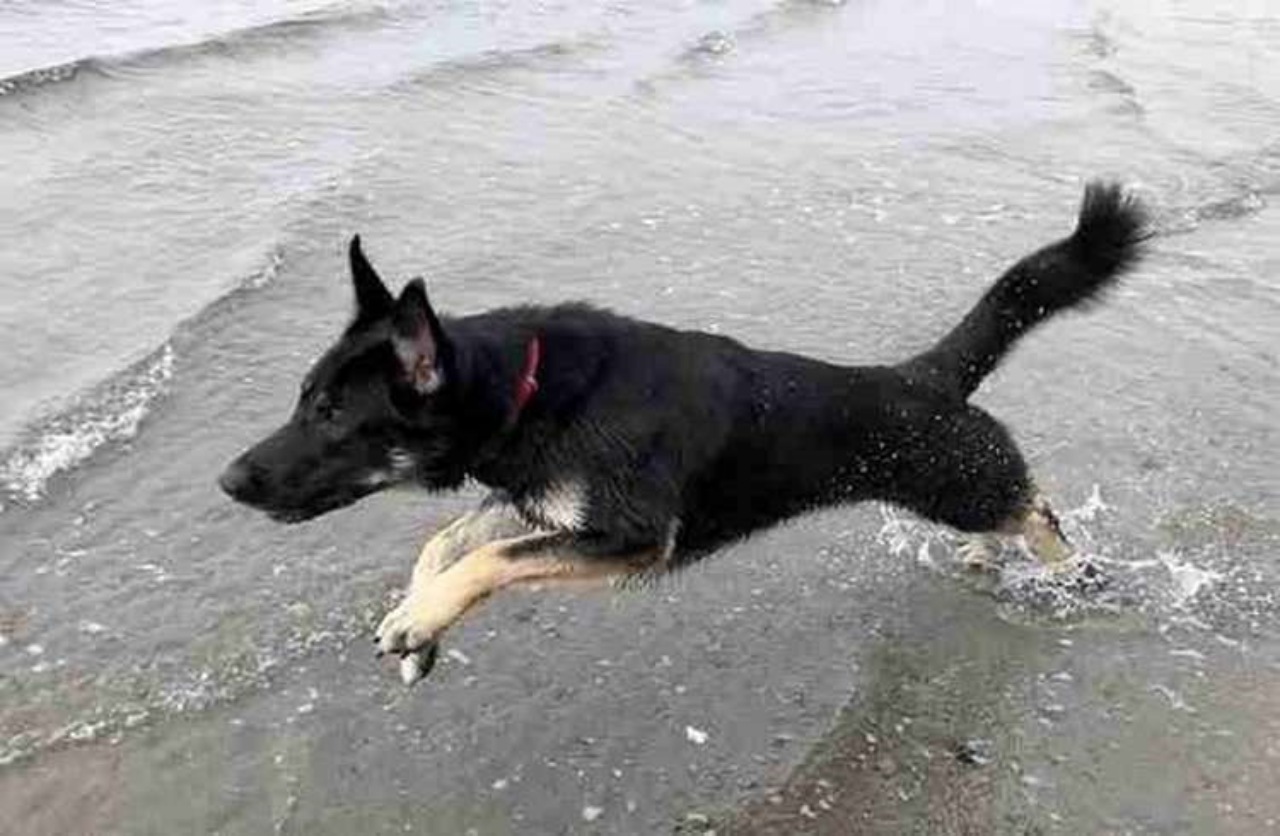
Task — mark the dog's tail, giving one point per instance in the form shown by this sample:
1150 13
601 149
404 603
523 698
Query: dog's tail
1076 270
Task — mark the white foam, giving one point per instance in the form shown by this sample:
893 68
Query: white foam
898 532
1167 580
111 412
69 439
1089 511
267 274
1188 579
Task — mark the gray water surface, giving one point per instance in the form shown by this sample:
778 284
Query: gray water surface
177 183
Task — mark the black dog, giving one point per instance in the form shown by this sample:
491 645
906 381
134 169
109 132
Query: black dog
614 446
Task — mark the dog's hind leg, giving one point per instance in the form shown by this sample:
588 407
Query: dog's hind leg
972 477
1039 528
436 603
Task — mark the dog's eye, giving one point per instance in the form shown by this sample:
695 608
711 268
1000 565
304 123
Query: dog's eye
326 410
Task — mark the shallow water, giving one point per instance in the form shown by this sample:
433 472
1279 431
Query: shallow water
178 184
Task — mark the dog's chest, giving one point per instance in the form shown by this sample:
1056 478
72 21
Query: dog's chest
561 506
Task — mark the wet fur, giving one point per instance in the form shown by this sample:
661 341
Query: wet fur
674 442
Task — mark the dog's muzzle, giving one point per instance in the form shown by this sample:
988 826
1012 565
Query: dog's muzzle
243 482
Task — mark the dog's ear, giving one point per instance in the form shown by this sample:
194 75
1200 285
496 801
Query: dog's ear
373 300
418 339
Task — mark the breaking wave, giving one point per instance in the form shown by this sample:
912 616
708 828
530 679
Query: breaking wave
109 413
113 412
233 42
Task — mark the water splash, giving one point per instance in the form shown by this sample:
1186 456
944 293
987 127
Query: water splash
1102 583
1188 580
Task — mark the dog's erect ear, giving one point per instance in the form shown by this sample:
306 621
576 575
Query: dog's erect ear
418 339
373 300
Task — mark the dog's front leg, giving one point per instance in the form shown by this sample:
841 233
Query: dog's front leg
436 602
493 520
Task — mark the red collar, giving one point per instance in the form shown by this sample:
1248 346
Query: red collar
527 385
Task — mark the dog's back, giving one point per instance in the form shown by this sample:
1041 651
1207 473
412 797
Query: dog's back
656 424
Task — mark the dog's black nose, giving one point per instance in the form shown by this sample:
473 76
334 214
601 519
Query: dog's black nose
242 482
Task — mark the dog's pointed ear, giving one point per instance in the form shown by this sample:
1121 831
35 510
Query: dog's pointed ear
373 300
418 339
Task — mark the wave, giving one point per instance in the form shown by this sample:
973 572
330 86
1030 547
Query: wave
113 413
78 709
496 61
109 413
714 46
711 45
229 43
41 76
1243 185
1243 202
1249 202
778 18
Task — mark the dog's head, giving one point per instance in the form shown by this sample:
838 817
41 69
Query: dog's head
377 409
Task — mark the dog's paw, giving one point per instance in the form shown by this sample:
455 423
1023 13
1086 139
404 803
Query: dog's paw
414 625
405 629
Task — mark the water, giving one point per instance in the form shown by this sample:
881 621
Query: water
177 182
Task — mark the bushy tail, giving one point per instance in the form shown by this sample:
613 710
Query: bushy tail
1074 271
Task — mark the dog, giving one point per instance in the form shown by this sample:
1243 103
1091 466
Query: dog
614 447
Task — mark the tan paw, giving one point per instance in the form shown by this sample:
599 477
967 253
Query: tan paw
418 621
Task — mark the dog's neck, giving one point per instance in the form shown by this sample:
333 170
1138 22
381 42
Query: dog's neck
527 384
514 429
501 396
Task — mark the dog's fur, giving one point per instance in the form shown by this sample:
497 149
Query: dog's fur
647 447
